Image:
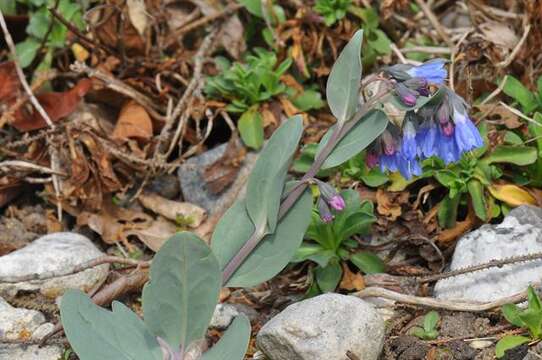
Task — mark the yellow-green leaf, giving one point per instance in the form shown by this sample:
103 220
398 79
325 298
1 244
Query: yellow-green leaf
512 195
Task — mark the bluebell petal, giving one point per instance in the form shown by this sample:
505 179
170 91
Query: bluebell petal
433 71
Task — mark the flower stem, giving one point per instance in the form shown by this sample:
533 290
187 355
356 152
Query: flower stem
339 132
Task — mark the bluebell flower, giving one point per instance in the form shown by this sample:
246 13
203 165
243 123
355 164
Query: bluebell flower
467 136
426 139
406 96
433 71
446 147
409 168
409 148
388 162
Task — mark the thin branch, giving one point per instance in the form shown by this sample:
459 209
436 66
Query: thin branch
435 22
19 164
516 49
75 269
454 305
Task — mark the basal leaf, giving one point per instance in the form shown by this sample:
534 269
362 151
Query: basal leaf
233 344
272 254
516 90
517 155
511 194
96 333
511 314
180 298
430 320
251 128
509 342
266 182
328 277
368 262
253 6
447 211
476 191
344 81
358 138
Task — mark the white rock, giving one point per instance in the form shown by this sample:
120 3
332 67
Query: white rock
225 313
18 323
323 328
53 252
30 352
519 234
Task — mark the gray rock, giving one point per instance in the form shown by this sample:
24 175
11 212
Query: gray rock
30 352
519 234
323 328
193 185
18 324
225 313
54 252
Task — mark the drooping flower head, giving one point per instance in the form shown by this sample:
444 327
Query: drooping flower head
406 96
325 212
330 196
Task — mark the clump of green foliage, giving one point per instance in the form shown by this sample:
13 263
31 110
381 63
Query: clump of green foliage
328 244
531 104
43 28
429 329
332 10
529 319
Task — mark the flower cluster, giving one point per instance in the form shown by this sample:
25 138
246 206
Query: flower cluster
329 199
440 128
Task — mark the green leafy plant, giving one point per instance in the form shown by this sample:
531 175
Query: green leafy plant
429 329
245 86
332 10
330 243
531 104
377 43
473 179
43 29
530 319
357 169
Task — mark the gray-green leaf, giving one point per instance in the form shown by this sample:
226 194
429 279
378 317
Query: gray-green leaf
344 81
275 250
358 138
266 182
517 155
181 296
233 344
96 333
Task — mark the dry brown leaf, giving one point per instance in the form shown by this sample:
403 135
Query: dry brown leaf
499 34
191 214
222 173
351 281
461 227
133 123
389 204
156 234
138 15
512 195
113 222
502 115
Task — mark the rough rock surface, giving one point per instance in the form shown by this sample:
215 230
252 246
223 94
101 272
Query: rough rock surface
193 184
54 252
519 234
30 352
18 324
225 313
323 328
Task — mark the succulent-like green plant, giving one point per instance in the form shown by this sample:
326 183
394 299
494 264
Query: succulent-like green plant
429 329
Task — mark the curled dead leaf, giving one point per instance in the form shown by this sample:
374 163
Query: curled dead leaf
190 214
351 281
156 234
512 195
133 123
389 204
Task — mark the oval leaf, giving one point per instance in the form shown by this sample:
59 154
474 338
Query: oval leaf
96 333
512 195
368 262
180 298
509 342
344 81
275 250
358 138
266 182
518 155
328 277
251 128
476 191
233 344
